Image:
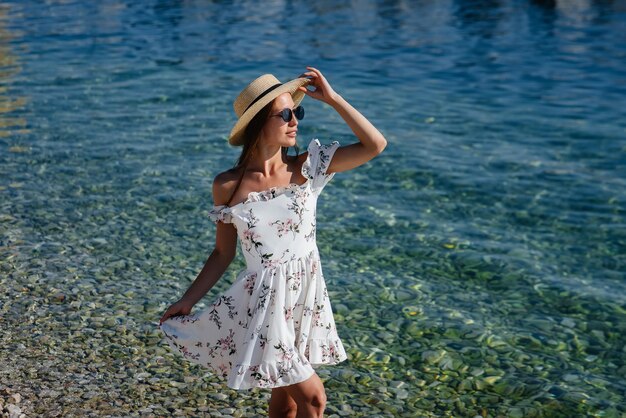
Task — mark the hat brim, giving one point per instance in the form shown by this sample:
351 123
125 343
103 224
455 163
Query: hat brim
236 134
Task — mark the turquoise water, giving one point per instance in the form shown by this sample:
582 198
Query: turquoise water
476 267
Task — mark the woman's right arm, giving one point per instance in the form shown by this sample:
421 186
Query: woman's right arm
215 266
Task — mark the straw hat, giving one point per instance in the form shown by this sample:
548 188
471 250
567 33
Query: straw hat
258 94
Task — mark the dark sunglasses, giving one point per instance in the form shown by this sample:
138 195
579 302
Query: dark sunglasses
287 114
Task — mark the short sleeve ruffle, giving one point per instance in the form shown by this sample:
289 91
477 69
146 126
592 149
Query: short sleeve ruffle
221 213
317 162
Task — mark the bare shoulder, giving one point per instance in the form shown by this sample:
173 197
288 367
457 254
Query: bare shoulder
223 185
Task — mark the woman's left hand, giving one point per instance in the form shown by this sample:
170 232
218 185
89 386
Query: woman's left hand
323 91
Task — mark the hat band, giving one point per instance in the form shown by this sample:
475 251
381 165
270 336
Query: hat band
262 94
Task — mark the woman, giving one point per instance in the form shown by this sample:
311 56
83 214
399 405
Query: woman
275 323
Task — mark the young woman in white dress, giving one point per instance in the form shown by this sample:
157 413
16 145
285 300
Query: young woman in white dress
265 134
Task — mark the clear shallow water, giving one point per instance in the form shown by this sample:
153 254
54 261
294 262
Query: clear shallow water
475 267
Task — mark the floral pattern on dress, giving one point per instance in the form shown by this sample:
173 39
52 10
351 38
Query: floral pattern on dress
295 280
329 353
223 345
288 313
275 322
249 285
214 309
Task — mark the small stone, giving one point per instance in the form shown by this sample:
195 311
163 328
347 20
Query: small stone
432 356
490 380
397 384
402 394
570 377
49 393
14 410
346 410
477 372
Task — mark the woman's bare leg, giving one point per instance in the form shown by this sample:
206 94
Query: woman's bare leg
310 397
282 405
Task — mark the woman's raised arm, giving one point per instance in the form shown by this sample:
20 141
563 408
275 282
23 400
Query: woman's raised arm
372 142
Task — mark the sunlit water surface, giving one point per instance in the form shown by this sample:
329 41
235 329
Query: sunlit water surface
476 267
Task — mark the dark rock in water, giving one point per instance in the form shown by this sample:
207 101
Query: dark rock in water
557 391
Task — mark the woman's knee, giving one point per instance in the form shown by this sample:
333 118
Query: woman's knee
309 394
282 405
284 412
318 399
312 402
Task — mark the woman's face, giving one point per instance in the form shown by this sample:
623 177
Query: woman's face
276 130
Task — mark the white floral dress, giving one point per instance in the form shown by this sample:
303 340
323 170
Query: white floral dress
275 323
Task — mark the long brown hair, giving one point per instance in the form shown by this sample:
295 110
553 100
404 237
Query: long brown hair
250 138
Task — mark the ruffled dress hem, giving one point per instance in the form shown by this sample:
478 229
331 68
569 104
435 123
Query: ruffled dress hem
325 352
270 375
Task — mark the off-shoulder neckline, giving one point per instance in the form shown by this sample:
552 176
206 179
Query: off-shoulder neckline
278 190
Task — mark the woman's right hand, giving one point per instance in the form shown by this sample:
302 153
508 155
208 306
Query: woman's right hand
182 307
